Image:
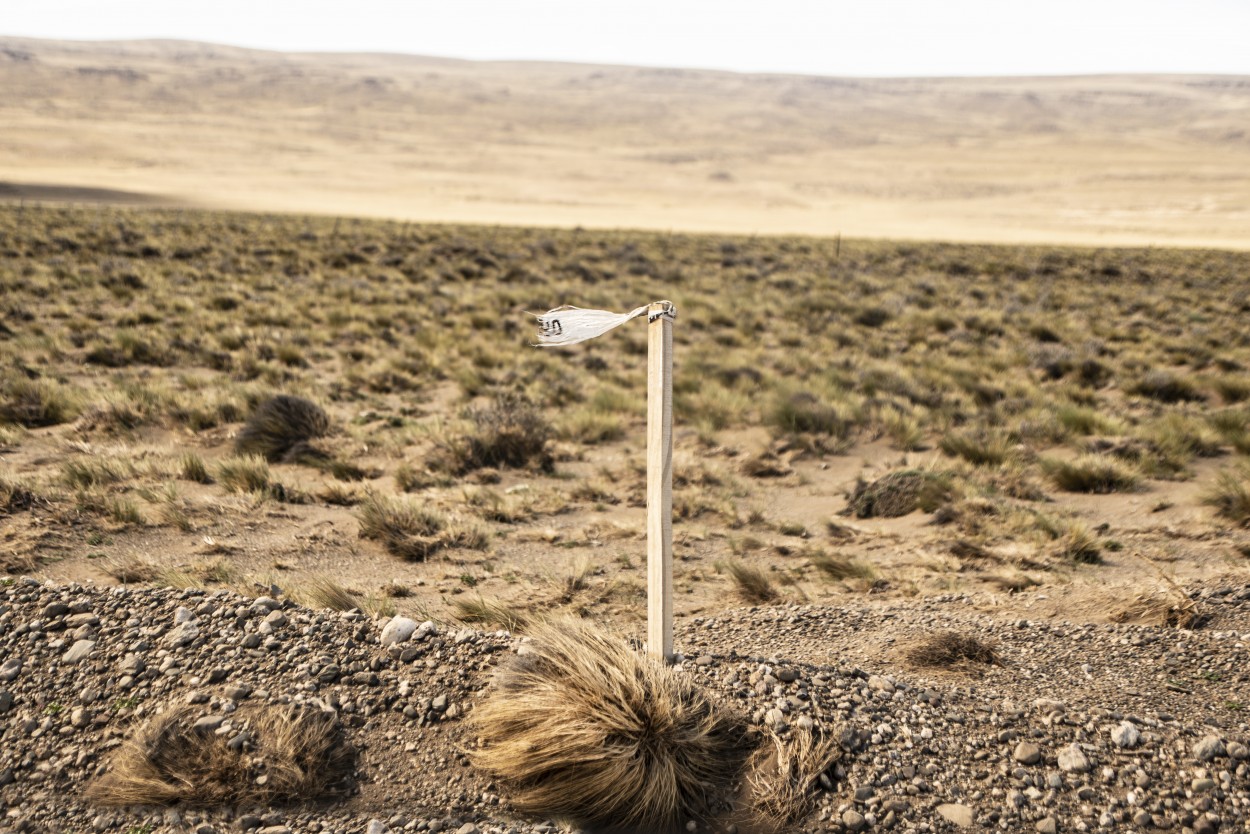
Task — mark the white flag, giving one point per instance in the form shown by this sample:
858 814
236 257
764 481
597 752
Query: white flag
570 325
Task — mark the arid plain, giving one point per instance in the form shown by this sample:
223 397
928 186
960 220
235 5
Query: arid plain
1112 160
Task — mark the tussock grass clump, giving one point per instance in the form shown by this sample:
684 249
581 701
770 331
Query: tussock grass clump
280 429
1230 495
510 433
900 493
1077 543
839 568
302 754
191 467
1092 473
492 612
981 448
582 728
805 413
1167 387
15 497
951 648
322 591
36 402
244 474
751 584
415 532
786 776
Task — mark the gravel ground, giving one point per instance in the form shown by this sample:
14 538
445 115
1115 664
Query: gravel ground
1078 728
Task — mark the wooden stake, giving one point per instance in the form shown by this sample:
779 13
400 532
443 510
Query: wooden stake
660 482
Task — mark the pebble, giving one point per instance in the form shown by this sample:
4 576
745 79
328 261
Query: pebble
398 630
956 813
78 652
1126 735
1073 760
1210 747
1027 753
854 821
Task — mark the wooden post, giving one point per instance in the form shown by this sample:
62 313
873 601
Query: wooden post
660 481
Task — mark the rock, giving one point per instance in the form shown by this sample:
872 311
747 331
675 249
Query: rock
1143 819
854 821
79 651
10 669
55 609
1205 825
1073 760
131 665
880 684
776 719
6 701
1201 785
1211 747
426 629
1236 750
80 717
398 630
468 828
1027 753
787 676
208 724
182 615
1126 735
1047 825
276 619
182 634
238 692
960 815
376 827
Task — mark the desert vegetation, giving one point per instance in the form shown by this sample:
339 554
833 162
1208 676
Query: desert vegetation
305 397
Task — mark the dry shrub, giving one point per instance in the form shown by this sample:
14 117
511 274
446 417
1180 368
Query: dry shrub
582 728
15 497
484 611
510 433
950 648
1092 473
35 402
786 775
287 754
1230 495
898 494
280 430
1160 608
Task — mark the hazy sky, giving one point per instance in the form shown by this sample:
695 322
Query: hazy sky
833 37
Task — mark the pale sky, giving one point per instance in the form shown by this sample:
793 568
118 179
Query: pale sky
833 37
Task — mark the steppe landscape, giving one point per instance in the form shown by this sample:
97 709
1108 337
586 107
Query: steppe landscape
297 523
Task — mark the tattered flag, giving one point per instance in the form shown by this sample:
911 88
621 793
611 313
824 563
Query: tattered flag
570 325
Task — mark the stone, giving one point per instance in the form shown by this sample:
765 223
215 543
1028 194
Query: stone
182 634
182 615
1047 825
398 630
426 629
376 827
880 684
276 619
10 669
1211 747
960 815
468 828
787 676
1027 753
1143 819
1125 735
79 651
80 717
55 609
6 701
1236 750
208 724
854 821
776 719
1073 760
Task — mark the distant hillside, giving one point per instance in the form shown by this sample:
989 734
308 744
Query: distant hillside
1113 159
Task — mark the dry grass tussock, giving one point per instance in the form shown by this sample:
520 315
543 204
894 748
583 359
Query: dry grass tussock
900 493
583 728
786 776
950 648
280 429
287 754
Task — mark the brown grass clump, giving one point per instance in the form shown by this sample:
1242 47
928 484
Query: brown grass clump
510 433
751 584
280 429
415 532
898 494
1092 473
1230 495
950 648
1161 608
582 728
786 775
279 754
35 402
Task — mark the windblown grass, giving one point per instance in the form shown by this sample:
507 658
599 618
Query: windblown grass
582 728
